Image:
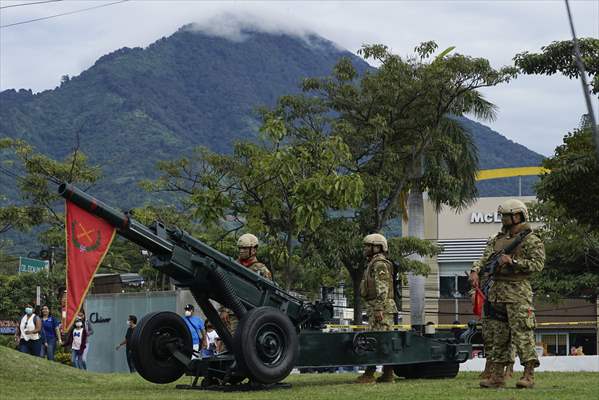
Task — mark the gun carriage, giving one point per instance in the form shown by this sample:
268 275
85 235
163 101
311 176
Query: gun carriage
277 331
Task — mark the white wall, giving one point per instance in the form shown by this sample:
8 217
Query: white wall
555 363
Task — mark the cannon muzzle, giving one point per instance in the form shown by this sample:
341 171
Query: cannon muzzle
115 217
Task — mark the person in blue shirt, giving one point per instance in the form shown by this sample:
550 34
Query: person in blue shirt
196 328
51 333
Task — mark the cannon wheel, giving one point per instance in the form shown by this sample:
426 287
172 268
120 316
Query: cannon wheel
266 345
431 370
153 361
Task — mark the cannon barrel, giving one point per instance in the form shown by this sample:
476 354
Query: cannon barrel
126 226
116 218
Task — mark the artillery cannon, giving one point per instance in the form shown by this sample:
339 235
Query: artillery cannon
277 331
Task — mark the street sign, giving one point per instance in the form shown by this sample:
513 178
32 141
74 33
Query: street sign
32 265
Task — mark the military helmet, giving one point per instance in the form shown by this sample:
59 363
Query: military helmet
513 206
376 239
247 240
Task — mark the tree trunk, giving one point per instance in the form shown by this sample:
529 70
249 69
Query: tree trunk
416 282
356 276
289 245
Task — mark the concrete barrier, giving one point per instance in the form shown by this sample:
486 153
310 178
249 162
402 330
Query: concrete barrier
555 363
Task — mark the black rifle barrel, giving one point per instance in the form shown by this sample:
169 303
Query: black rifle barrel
127 227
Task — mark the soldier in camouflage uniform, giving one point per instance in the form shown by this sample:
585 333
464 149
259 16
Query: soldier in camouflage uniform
248 247
512 318
377 292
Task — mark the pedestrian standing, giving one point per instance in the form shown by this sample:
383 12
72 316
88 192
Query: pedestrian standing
89 331
28 333
195 325
77 341
51 330
131 324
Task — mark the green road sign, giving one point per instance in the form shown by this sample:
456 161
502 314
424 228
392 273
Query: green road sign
32 265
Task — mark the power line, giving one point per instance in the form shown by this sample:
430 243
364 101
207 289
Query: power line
30 3
62 14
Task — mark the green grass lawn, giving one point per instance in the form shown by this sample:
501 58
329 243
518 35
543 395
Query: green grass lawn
21 375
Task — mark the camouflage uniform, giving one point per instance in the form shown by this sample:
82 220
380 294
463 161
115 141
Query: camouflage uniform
511 294
260 269
377 291
486 325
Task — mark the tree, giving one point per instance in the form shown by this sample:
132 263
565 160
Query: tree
568 196
572 255
572 184
558 57
281 188
400 125
34 175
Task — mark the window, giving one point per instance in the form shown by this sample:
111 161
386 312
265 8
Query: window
555 344
452 287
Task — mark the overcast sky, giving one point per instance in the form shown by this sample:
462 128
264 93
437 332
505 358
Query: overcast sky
534 111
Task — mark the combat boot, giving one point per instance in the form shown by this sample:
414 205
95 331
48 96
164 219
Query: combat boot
388 375
486 374
528 379
509 371
367 376
496 380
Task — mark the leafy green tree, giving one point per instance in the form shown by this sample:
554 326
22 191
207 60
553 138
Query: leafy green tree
400 125
558 57
17 290
572 184
35 176
279 189
402 116
572 255
569 196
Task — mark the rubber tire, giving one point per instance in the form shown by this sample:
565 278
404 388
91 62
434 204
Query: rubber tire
246 351
431 370
154 367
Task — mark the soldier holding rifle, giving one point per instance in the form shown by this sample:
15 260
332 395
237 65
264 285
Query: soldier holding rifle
509 260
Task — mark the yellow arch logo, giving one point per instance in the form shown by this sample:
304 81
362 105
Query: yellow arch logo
497 173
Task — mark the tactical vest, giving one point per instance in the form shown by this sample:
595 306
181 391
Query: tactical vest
368 287
503 240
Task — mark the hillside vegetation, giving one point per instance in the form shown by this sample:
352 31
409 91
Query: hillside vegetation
136 106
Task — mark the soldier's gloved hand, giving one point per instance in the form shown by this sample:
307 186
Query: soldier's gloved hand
505 259
378 316
474 280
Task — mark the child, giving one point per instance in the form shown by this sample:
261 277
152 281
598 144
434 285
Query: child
77 340
212 341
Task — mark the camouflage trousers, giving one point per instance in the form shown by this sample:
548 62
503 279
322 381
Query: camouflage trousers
517 331
488 340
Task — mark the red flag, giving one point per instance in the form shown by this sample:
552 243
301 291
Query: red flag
88 240
479 300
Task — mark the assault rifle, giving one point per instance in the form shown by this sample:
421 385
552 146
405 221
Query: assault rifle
492 267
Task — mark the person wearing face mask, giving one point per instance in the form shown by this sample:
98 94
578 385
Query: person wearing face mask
77 341
28 333
89 331
248 249
131 323
511 319
196 328
379 300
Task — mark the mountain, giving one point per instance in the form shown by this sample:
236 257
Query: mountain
136 106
